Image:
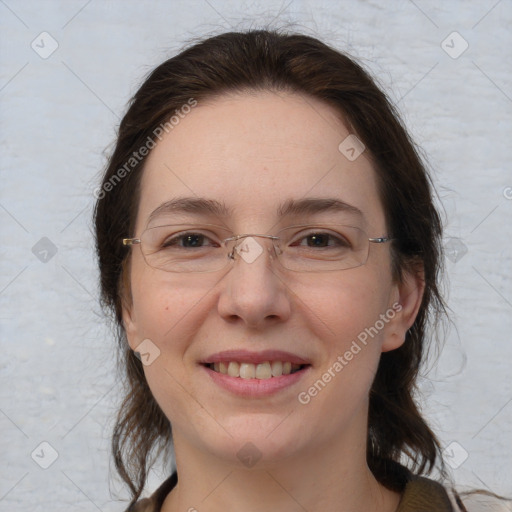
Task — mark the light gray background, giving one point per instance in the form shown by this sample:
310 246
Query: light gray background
58 115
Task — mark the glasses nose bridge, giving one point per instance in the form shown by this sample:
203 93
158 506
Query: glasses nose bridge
251 250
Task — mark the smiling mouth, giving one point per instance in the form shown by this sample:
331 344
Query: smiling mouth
261 371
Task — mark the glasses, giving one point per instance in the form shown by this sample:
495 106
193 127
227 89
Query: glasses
208 248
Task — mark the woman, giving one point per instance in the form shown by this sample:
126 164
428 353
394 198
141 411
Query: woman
269 246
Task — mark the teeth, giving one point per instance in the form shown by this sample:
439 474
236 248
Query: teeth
247 371
263 371
260 371
277 368
233 369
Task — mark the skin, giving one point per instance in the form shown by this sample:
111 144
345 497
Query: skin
254 151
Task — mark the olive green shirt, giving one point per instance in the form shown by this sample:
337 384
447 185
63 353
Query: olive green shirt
419 495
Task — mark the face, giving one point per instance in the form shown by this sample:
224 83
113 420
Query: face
255 153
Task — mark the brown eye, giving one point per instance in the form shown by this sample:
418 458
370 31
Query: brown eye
191 240
320 239
187 241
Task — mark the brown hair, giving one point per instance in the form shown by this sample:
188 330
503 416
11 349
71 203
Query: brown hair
273 60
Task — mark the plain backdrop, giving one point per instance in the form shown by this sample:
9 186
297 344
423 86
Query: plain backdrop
68 69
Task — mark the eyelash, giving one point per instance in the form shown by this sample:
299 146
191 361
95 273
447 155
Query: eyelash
323 233
171 242
175 239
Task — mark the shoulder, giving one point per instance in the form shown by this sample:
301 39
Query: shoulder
154 502
422 494
143 505
480 502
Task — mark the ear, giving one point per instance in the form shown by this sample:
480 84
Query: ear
128 314
408 295
130 325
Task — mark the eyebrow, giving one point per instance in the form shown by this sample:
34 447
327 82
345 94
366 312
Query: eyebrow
312 205
202 206
196 205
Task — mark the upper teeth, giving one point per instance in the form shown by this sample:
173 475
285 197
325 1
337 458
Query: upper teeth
264 370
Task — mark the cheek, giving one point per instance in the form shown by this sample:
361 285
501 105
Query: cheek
162 309
338 308
340 315
157 309
163 312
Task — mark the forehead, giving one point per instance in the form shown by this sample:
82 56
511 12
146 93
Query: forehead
255 152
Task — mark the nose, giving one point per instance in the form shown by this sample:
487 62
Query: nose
254 292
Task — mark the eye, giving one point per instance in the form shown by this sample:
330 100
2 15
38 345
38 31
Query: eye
323 239
318 240
188 240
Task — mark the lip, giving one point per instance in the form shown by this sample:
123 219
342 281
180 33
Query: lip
253 388
246 356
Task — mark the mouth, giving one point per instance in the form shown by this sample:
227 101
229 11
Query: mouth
261 371
256 374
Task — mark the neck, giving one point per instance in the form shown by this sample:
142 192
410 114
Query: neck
327 477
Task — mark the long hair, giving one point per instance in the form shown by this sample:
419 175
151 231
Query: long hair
258 60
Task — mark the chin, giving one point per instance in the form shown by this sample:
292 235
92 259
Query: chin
255 440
